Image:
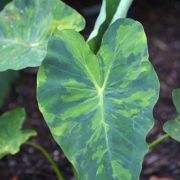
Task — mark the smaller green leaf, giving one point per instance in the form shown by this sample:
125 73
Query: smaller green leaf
6 78
173 127
11 137
25 27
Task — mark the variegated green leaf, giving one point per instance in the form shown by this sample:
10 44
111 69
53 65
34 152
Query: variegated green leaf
25 27
172 127
6 78
99 108
111 10
11 135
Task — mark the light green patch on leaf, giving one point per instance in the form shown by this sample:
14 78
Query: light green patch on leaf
6 78
25 27
65 17
61 130
172 127
11 135
120 172
100 170
98 155
102 104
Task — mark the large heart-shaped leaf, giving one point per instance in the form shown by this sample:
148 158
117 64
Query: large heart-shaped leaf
6 78
25 27
173 127
111 10
11 137
99 108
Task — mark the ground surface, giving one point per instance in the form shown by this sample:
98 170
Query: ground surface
161 20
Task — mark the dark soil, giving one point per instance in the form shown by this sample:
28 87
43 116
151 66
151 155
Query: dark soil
161 20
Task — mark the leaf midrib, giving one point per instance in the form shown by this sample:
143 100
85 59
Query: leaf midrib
101 102
104 124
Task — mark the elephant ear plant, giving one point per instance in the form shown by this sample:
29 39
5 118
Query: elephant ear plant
96 105
96 96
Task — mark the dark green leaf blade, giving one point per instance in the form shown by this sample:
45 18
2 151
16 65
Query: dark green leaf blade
11 137
25 27
172 127
99 108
